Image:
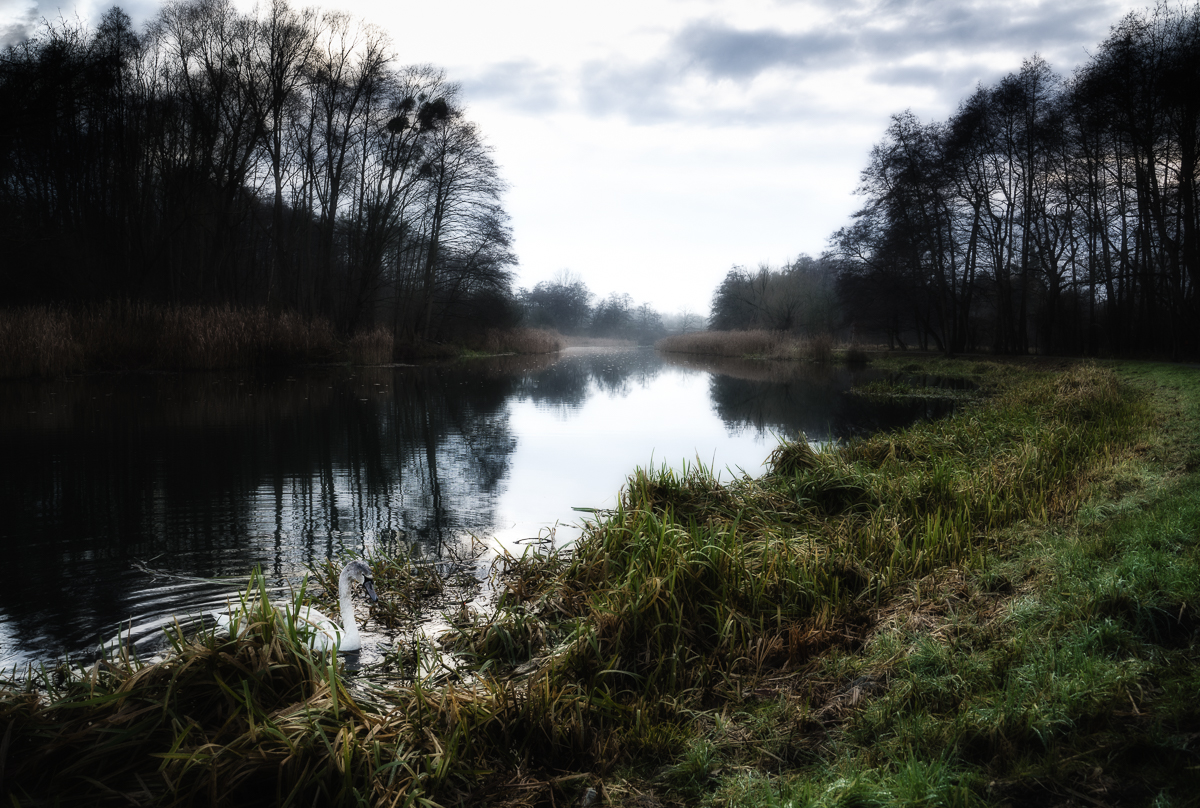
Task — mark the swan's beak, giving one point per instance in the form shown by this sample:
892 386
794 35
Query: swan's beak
369 587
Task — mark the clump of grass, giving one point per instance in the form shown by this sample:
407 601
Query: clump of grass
255 717
820 349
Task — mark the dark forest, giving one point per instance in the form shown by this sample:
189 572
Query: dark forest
1048 214
278 159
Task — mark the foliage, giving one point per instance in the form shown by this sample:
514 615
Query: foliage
44 341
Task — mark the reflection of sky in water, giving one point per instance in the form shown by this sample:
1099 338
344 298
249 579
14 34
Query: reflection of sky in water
203 475
580 457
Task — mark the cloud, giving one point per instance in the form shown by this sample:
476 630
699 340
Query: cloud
644 93
892 31
522 85
808 60
17 20
723 52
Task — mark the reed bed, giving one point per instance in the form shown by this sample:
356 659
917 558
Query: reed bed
761 344
41 341
520 341
579 341
723 343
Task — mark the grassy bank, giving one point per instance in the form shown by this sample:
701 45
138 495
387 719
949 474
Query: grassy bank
46 341
996 609
763 345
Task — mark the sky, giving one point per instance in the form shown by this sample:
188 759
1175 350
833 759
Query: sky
651 145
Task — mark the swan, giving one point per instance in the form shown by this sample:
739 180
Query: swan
318 631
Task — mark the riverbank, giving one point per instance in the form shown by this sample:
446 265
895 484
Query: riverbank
53 341
997 608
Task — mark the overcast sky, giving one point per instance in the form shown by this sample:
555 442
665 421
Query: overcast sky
650 145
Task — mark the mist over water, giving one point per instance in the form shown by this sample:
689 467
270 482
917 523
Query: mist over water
112 479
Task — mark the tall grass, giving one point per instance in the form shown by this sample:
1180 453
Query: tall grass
760 344
723 343
690 580
520 341
47 340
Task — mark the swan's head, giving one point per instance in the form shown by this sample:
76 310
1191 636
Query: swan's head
358 572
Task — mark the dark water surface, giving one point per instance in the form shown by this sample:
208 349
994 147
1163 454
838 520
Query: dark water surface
202 476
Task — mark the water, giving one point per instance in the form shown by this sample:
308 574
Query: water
129 500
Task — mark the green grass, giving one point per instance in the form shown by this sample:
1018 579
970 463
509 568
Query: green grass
1001 608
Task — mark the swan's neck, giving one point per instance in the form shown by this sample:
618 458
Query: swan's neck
350 639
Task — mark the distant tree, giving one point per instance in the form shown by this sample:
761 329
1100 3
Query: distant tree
798 297
613 316
563 304
687 320
733 305
649 324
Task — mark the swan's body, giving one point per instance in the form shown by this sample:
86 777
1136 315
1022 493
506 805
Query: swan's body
318 631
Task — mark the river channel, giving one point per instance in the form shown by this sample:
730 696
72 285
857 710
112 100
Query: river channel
130 499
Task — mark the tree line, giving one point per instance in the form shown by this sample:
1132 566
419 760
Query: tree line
565 304
799 297
278 158
1048 213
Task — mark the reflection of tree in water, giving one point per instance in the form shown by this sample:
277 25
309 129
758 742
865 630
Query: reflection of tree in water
567 383
211 474
453 444
788 398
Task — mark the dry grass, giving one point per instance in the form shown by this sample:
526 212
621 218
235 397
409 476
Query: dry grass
821 348
723 343
370 347
600 342
41 341
520 341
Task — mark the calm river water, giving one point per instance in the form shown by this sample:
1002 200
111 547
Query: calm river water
125 498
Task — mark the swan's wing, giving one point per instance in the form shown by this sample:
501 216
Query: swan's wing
318 631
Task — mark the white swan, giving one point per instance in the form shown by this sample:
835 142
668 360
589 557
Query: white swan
318 631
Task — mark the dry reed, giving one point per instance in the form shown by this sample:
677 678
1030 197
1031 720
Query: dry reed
40 341
760 344
723 343
520 341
